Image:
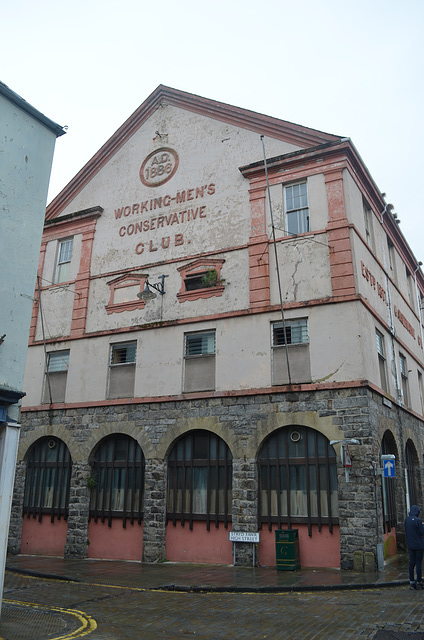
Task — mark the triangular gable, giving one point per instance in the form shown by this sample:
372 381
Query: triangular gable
273 127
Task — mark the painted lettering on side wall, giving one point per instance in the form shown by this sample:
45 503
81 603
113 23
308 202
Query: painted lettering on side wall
382 293
164 219
373 282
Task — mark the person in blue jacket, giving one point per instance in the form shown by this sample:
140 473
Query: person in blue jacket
414 531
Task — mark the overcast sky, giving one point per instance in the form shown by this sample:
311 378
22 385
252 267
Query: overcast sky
352 68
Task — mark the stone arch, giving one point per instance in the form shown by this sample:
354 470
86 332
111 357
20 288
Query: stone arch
279 420
186 425
119 428
45 431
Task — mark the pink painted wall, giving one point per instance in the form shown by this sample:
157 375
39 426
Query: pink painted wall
115 542
44 538
198 545
390 544
322 549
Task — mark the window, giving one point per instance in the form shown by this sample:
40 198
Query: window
294 334
392 259
421 390
199 361
412 472
297 209
48 479
56 376
124 292
404 379
411 288
64 260
200 480
122 370
291 332
297 479
369 231
117 489
382 360
194 282
201 279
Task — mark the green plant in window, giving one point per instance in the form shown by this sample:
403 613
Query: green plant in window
211 279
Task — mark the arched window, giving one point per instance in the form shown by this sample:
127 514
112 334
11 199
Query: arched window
412 473
200 479
117 482
297 479
48 479
388 486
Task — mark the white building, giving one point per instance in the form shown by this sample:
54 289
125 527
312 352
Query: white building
26 145
156 428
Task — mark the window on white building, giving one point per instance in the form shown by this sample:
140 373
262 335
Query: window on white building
369 230
382 364
295 334
404 379
411 288
122 369
199 361
392 259
56 376
64 257
296 208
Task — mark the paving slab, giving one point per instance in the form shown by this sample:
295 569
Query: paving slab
53 598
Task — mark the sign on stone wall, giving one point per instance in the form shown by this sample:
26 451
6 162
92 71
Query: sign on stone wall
243 536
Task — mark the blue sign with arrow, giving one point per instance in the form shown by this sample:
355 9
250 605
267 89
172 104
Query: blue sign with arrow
389 468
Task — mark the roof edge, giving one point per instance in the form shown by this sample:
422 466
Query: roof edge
32 111
163 95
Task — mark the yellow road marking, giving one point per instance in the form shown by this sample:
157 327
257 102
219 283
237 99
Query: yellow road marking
88 624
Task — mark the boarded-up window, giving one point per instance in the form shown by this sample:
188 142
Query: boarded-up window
199 360
122 370
56 376
294 334
381 360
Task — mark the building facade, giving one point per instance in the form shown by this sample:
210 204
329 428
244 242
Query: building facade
285 319
27 144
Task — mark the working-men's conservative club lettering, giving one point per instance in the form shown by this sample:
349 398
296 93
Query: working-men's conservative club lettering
164 219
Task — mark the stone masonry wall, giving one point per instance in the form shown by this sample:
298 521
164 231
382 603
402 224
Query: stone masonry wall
244 423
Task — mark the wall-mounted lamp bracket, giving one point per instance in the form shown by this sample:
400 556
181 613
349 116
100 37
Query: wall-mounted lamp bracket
147 293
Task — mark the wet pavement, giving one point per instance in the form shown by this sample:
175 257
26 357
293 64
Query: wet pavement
52 598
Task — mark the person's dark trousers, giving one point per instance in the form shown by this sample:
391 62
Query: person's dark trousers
415 560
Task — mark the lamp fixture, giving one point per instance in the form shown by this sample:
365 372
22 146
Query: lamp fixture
147 293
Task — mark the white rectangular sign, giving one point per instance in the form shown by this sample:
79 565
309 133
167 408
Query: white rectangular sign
243 536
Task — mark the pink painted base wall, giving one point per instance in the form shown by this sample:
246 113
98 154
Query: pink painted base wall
390 544
115 542
198 545
322 549
44 538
